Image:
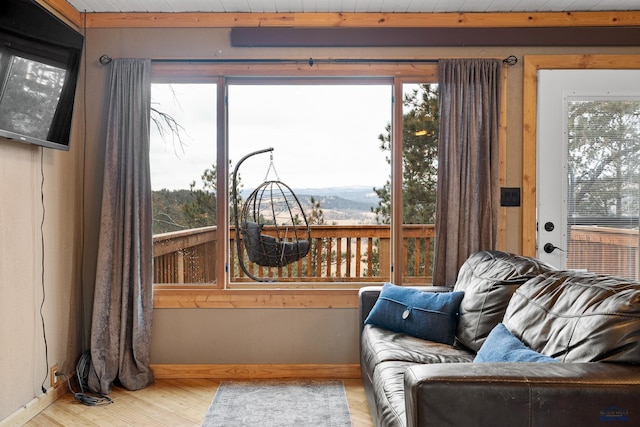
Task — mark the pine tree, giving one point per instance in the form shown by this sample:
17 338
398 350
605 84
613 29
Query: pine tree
419 159
604 153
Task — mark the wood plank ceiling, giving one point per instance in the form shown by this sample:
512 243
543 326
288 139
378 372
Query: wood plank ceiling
351 6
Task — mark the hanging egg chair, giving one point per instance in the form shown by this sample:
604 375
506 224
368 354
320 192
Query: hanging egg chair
271 226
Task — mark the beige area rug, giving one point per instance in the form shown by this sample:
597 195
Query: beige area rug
298 403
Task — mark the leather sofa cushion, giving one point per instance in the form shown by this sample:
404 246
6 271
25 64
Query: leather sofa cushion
381 345
578 317
388 393
489 279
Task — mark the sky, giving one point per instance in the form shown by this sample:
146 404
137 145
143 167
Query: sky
323 136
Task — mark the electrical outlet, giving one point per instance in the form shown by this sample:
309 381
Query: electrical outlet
52 375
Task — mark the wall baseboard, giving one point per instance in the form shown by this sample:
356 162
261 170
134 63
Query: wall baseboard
256 371
35 406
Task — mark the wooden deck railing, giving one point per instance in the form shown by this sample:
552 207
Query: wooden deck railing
361 253
339 253
604 250
185 256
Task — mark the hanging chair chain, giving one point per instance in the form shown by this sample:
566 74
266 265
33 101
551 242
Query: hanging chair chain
272 166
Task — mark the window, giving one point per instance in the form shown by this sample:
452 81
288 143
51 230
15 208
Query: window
420 127
326 148
333 140
183 171
603 184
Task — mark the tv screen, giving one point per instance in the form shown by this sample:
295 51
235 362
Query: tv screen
39 62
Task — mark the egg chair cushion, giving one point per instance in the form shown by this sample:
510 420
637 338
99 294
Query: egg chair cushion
267 251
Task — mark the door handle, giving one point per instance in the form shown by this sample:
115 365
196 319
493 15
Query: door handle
550 247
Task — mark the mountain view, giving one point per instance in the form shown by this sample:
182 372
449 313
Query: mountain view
340 205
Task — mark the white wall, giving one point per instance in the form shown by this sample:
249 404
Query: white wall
22 341
247 336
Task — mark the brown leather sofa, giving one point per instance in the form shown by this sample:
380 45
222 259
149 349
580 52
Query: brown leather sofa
590 323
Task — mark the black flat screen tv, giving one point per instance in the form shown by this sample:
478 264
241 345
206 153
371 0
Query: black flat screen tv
39 62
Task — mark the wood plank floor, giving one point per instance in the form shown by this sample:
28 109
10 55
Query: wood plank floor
168 402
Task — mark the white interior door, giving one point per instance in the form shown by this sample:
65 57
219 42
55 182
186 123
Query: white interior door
567 97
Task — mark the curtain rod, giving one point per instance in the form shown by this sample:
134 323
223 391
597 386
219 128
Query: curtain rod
106 59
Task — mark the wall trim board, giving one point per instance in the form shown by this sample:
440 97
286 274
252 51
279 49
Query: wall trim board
339 19
35 406
190 297
257 371
372 20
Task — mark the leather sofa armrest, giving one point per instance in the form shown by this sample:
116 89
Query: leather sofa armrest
368 295
522 394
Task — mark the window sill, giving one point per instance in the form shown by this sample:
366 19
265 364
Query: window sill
173 297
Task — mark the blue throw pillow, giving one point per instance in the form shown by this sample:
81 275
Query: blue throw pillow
502 346
431 316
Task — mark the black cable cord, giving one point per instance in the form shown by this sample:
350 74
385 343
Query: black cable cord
83 369
44 332
84 398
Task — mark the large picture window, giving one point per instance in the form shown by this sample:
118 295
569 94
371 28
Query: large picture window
335 144
326 148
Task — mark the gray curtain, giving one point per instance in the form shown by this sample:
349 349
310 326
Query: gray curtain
468 193
123 300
